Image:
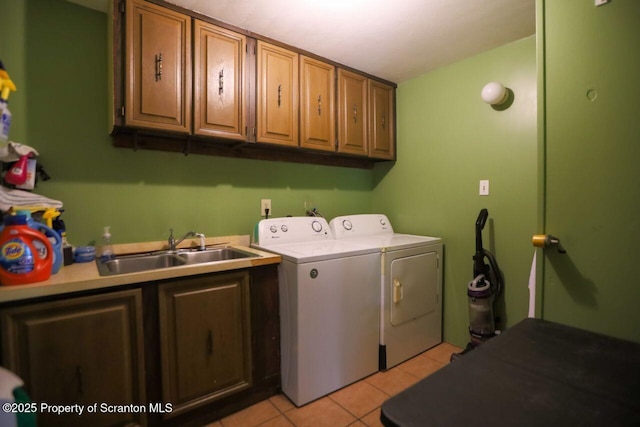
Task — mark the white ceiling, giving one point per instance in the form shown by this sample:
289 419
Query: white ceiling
396 40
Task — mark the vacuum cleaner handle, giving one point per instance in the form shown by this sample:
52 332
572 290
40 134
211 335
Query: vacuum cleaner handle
480 222
482 219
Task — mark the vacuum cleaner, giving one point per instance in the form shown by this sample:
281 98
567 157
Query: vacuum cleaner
482 291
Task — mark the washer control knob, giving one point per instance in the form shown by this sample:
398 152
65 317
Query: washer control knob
317 227
273 229
383 222
284 228
347 224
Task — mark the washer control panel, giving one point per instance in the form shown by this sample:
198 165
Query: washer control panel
360 225
276 231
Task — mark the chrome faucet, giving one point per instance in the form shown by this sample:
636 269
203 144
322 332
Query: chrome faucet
173 242
202 241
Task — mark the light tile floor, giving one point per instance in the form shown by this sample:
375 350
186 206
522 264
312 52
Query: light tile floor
356 405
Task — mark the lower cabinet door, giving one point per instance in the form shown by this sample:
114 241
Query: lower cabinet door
78 353
204 339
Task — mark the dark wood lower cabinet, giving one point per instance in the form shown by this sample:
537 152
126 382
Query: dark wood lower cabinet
79 351
187 351
205 342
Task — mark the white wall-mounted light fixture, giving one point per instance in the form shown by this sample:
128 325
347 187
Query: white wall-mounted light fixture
494 93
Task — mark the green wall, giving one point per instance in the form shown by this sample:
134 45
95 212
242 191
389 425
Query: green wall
592 68
142 194
448 140
12 37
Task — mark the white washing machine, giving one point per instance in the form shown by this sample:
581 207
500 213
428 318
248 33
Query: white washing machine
410 285
329 306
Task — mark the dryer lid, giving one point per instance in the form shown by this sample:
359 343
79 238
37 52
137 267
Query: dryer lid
318 251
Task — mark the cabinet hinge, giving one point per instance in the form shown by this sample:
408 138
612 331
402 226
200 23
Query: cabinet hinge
122 7
122 111
255 132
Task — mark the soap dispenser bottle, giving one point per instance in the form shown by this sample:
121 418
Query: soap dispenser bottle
107 248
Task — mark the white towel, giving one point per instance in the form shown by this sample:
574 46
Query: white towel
13 150
9 382
9 198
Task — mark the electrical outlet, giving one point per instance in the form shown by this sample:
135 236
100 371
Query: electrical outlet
264 205
601 2
307 207
484 187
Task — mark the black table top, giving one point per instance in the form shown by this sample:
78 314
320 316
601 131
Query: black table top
537 373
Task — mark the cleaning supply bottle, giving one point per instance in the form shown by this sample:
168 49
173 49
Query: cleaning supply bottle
25 254
67 250
107 248
17 173
54 238
6 87
5 121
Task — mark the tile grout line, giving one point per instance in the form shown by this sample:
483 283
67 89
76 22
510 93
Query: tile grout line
368 413
357 419
263 421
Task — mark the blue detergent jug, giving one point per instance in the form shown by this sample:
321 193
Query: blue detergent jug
53 236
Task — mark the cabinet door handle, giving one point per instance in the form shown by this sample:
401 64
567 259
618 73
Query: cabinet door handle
355 113
79 380
210 343
221 82
319 105
158 61
384 121
279 95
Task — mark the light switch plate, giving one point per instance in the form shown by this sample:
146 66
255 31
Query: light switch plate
484 187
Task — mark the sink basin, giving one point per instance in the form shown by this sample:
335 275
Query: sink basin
152 261
213 255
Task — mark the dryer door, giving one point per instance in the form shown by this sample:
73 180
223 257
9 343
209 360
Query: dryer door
414 287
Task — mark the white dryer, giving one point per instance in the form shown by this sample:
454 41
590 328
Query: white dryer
410 285
329 306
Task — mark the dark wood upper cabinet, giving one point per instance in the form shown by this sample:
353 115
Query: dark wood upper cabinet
317 105
352 113
219 81
158 68
277 95
381 120
189 83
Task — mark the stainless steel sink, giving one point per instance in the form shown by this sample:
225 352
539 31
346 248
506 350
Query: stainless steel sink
152 261
213 255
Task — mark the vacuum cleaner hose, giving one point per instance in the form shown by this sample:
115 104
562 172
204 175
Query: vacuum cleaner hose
494 274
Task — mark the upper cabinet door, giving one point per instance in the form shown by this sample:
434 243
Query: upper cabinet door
352 113
317 105
158 68
277 95
381 120
219 105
